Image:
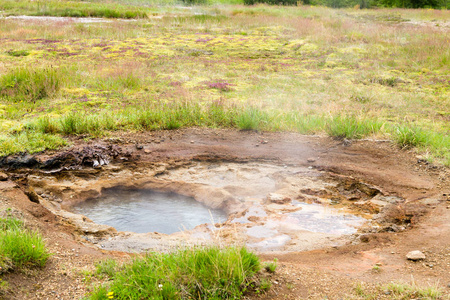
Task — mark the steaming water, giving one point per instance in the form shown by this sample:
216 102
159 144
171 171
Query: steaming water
144 211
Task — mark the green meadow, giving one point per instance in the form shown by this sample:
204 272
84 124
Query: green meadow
347 73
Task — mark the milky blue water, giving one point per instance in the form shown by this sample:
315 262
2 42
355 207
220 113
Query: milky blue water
144 211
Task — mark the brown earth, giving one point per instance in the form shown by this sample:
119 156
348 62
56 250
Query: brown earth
330 273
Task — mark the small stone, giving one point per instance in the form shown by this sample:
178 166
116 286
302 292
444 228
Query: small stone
415 255
311 160
3 176
147 151
192 142
264 142
139 147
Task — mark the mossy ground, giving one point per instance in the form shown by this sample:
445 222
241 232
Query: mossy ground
307 69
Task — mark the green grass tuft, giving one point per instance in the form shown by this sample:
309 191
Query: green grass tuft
407 291
409 137
19 247
351 127
27 85
200 273
271 266
251 118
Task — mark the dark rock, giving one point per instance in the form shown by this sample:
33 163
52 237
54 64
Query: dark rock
95 157
21 160
65 159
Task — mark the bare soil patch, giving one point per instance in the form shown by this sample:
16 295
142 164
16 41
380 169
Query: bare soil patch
420 221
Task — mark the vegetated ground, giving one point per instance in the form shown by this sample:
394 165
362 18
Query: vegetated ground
337 273
351 73
381 74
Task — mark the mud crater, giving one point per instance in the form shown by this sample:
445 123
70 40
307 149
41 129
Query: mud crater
264 205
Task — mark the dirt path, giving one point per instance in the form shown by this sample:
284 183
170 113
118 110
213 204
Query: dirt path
332 272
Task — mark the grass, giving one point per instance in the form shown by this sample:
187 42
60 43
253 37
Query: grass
271 266
19 247
73 9
345 73
200 273
27 85
399 291
407 291
30 142
351 127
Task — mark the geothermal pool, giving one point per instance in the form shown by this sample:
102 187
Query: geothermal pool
143 210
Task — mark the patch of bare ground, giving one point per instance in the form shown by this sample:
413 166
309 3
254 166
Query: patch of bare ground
376 256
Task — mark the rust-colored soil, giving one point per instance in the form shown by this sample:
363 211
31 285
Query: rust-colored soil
331 272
